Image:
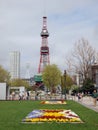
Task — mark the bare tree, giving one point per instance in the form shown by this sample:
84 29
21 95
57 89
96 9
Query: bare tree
81 59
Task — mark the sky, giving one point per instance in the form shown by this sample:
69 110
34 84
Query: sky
67 22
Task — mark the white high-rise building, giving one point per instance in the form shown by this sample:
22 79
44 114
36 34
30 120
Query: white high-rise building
15 64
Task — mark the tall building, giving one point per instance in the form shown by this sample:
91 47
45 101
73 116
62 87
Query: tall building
15 64
94 74
44 50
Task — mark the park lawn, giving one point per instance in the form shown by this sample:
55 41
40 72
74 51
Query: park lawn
12 113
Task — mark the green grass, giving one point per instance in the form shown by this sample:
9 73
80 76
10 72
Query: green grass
12 113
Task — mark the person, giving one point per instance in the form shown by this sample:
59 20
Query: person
79 96
36 96
27 95
13 95
95 96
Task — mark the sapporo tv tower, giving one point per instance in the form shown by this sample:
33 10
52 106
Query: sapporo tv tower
44 49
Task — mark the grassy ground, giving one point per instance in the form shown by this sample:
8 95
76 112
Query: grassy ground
12 113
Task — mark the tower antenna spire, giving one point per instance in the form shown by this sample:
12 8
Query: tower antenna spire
44 50
44 7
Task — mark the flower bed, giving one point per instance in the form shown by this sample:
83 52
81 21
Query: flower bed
45 115
53 102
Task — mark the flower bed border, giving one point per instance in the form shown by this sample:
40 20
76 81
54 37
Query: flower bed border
46 115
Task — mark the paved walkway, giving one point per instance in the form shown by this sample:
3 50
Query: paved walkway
88 102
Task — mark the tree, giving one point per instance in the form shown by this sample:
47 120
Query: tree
68 82
75 89
4 75
19 82
82 57
88 86
51 76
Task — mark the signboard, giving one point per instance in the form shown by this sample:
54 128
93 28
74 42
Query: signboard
38 77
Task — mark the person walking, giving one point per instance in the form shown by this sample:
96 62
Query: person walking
95 97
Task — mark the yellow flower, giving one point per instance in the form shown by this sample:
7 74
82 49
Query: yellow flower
49 119
35 119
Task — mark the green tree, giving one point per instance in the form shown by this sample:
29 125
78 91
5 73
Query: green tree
68 83
88 86
4 75
51 76
20 82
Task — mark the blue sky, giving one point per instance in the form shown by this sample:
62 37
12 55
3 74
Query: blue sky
67 22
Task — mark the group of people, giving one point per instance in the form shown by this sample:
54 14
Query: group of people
19 96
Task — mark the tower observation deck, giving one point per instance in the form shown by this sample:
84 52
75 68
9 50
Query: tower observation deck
44 49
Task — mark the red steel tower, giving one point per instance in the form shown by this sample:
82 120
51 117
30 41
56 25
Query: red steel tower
44 50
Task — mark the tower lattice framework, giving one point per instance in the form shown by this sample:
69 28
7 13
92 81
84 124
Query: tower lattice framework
44 49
